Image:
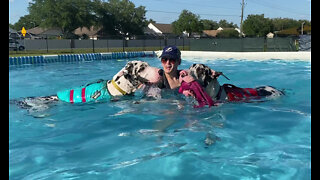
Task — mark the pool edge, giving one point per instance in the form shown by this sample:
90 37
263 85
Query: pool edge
20 60
300 55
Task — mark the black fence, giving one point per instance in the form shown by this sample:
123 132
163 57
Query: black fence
245 44
101 45
153 44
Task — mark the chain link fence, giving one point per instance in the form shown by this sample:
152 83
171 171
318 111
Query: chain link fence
112 44
147 43
245 44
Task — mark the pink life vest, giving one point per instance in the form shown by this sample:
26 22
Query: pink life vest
201 96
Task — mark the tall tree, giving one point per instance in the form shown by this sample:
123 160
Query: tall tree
104 18
225 24
257 25
64 14
209 24
128 19
188 22
25 21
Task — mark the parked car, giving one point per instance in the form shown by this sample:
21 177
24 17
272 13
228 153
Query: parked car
15 45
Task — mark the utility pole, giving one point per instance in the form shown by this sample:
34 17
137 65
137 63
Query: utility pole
241 22
302 27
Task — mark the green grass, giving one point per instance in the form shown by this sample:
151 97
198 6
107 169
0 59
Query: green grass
83 51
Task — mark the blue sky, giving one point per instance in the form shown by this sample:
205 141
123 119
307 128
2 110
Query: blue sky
167 11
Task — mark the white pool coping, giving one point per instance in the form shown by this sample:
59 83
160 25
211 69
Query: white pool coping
300 55
257 56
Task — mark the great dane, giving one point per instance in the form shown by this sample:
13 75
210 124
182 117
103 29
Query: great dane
125 82
207 78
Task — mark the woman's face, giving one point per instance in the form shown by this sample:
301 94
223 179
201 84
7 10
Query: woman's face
170 65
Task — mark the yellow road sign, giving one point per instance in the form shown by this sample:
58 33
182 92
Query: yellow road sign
23 31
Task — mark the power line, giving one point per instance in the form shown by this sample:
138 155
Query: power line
196 13
241 21
197 5
273 6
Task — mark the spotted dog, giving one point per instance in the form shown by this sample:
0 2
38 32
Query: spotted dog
227 92
125 82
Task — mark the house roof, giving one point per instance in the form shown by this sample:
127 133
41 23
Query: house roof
38 30
93 31
212 33
164 28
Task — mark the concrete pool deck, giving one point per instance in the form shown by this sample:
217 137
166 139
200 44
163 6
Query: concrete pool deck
300 55
212 55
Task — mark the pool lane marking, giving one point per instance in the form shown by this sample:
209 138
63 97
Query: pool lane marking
71 96
83 94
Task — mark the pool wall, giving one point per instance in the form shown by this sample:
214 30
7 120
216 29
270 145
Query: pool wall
77 57
212 55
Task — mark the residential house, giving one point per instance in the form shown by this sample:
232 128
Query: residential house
157 29
211 33
92 33
270 35
43 33
214 33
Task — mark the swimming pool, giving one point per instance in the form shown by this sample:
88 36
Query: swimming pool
160 139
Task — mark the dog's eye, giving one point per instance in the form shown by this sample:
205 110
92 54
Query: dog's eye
141 69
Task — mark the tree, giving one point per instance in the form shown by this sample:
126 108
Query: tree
228 33
224 24
286 23
128 20
64 14
188 22
209 24
104 18
257 25
25 21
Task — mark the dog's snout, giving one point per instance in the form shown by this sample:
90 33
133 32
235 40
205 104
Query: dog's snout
160 72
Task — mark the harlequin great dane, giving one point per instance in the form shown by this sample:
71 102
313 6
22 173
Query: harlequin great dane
125 82
207 78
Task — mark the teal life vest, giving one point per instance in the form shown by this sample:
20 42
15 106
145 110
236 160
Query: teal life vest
87 93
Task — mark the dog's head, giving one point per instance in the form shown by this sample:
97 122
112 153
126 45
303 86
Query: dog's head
202 73
134 74
207 78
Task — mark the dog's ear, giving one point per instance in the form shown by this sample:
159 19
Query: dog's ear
208 77
129 67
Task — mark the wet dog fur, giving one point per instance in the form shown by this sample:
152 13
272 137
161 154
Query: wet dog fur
205 76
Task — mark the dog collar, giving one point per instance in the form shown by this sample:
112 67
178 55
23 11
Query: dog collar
118 88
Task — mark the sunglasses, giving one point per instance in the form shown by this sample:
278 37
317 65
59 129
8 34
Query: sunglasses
171 60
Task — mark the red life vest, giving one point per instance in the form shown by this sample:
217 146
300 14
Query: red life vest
235 93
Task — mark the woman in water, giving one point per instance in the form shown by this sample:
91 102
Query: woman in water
170 60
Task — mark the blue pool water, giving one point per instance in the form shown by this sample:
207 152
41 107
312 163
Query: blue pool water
162 139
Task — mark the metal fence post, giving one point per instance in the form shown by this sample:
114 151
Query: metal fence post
93 45
123 39
108 45
47 43
183 43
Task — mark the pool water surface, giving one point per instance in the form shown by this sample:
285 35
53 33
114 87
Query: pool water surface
139 138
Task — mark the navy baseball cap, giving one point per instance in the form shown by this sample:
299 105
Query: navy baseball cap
171 52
